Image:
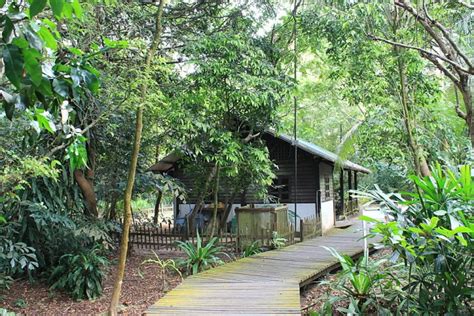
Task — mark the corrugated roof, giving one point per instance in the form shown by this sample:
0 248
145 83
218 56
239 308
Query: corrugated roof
319 151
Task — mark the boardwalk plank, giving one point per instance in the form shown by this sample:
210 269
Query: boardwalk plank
264 284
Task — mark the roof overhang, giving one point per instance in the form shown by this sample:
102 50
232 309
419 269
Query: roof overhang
320 152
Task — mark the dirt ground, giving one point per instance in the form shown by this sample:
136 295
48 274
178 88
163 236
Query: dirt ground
138 292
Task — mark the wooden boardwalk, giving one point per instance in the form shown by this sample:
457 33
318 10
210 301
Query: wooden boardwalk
264 284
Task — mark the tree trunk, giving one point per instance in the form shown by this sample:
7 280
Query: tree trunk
133 168
228 208
157 207
113 207
466 92
200 199
421 165
87 189
216 195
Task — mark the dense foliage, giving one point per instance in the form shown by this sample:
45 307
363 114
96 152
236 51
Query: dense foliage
431 235
209 77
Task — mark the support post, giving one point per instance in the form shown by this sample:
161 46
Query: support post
356 188
349 188
301 230
341 189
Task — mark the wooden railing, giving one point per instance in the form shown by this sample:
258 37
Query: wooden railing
310 227
165 236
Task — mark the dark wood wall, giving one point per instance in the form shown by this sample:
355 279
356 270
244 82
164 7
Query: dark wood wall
282 154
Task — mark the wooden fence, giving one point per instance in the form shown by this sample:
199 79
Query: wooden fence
166 236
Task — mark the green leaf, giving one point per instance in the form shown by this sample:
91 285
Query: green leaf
368 219
462 240
76 6
7 29
2 3
33 39
32 66
13 64
45 120
48 38
36 7
91 81
9 102
57 7
61 87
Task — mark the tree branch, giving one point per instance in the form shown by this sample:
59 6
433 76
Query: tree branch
447 36
422 50
250 136
443 69
467 5
89 126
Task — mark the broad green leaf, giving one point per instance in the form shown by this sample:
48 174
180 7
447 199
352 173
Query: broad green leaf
45 87
2 3
20 42
91 81
61 87
67 10
57 7
36 7
13 64
76 6
48 38
368 219
7 29
32 66
45 120
33 39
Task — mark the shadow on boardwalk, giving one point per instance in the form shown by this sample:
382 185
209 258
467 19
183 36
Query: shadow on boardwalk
264 284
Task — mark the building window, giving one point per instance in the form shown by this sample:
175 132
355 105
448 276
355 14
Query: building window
280 190
327 188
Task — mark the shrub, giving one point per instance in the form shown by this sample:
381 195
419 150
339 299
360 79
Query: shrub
200 257
5 281
80 274
433 237
366 286
252 249
277 242
4 312
16 258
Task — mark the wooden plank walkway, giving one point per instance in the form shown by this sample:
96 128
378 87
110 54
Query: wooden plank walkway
264 284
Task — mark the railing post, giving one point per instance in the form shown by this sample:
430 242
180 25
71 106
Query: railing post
301 230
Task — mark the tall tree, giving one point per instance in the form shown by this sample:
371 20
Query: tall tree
133 163
443 46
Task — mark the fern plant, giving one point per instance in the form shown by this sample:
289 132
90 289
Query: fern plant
199 256
168 265
80 274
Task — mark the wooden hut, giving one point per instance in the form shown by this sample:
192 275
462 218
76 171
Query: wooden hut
308 189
